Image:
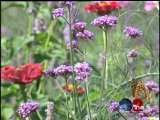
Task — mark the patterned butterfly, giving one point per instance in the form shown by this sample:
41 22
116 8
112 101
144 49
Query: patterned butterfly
140 91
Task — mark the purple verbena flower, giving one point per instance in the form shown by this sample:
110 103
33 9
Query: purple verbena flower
132 32
133 54
151 84
114 107
85 35
82 70
50 73
143 118
68 3
79 26
63 70
155 90
105 21
59 12
73 45
148 112
27 108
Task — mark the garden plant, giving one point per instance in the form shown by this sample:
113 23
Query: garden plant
77 60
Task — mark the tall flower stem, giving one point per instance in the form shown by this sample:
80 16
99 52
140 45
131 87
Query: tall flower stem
86 82
75 96
67 99
105 69
49 34
88 104
24 96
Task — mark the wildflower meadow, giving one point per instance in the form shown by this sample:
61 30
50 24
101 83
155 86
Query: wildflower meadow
80 60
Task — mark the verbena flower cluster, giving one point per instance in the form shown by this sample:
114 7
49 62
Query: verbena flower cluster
152 111
105 21
59 12
113 107
62 70
73 45
79 26
133 54
85 35
27 108
82 70
68 3
132 32
152 86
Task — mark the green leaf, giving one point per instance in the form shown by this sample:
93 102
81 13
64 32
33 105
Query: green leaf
8 90
41 36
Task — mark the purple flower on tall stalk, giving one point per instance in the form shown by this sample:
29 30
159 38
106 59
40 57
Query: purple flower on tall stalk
68 3
59 12
132 32
85 35
62 70
50 73
74 44
79 26
105 21
113 107
148 112
82 70
133 54
151 84
27 108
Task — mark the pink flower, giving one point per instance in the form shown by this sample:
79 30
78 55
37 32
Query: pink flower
149 6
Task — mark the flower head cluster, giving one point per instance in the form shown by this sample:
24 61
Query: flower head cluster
70 89
68 3
85 35
150 5
151 111
83 70
80 26
59 12
152 86
105 21
23 74
62 70
132 32
74 44
27 108
133 54
102 8
113 107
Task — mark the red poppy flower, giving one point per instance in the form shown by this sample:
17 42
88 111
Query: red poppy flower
102 8
70 89
23 74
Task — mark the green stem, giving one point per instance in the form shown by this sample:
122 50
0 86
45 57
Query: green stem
67 101
49 34
75 96
104 72
68 110
122 115
39 115
88 104
27 55
22 87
